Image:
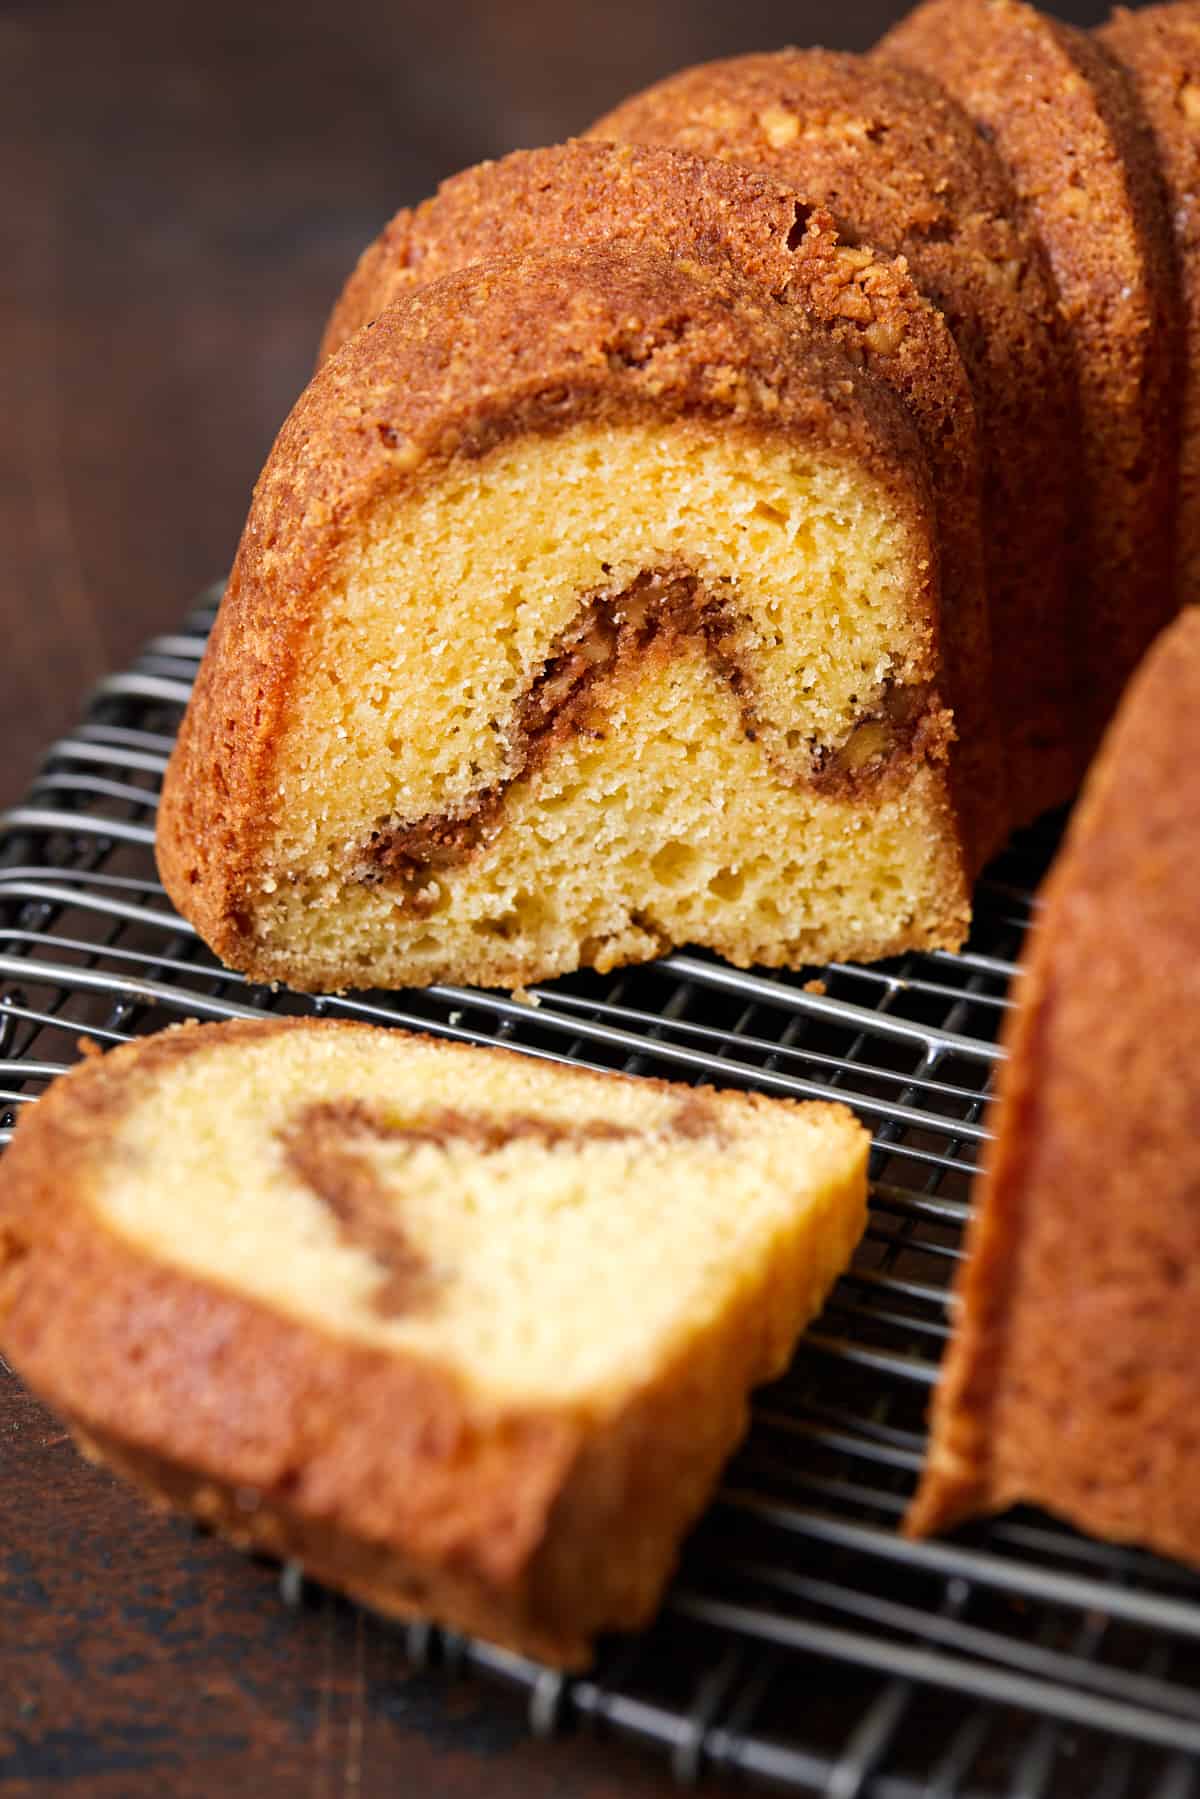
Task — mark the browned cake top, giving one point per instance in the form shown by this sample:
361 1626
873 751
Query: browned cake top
894 159
1067 125
1160 48
577 193
1065 119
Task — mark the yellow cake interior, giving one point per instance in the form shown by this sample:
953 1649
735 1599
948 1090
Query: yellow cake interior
670 828
688 807
553 1271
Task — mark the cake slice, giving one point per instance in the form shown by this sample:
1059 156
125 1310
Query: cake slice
467 1334
1073 1379
1065 120
1159 47
725 217
900 166
584 608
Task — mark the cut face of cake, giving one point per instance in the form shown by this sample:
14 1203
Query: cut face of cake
900 166
1065 120
1071 1381
468 1334
730 218
583 609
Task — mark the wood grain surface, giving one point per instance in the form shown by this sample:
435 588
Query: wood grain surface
185 189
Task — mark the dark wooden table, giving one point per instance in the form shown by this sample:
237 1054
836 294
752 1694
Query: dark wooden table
185 189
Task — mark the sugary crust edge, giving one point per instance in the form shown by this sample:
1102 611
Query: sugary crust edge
614 192
527 344
1129 540
964 1473
535 1529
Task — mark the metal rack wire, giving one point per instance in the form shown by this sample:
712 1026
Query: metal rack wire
803 1645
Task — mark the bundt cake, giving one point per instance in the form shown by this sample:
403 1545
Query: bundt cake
1159 46
1063 117
466 1334
900 167
1071 1379
717 214
584 607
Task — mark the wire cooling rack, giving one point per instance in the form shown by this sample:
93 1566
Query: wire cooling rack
803 1645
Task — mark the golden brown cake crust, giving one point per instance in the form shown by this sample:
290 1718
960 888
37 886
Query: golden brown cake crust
1071 1378
900 167
718 214
336 1454
1064 118
528 344
1159 46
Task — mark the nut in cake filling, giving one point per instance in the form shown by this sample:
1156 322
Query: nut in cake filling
654 615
